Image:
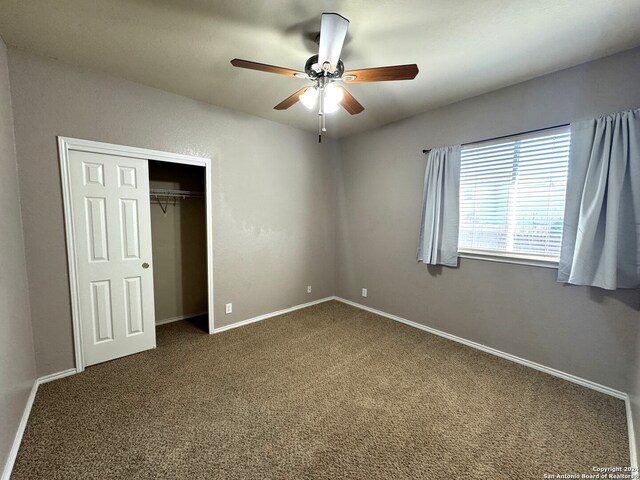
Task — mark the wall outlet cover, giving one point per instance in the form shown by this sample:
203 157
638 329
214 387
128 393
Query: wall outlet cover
309 289
364 292
228 308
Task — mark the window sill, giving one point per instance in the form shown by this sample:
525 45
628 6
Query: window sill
513 259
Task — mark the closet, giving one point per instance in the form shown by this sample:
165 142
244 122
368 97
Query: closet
179 239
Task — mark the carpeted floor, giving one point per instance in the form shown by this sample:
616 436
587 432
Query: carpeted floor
328 392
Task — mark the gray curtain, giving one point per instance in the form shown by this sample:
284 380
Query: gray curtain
438 244
601 236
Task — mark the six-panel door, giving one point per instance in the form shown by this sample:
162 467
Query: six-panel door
112 229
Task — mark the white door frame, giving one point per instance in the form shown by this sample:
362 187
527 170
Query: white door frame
65 145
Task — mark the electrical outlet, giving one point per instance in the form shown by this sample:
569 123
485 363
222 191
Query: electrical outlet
364 292
228 308
308 288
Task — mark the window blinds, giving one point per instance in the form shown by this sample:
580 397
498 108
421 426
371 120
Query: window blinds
512 195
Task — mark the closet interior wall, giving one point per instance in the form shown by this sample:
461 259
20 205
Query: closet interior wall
179 236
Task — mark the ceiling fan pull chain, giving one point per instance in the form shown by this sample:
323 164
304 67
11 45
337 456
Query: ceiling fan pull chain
324 117
320 112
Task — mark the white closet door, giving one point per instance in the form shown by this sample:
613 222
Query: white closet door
112 224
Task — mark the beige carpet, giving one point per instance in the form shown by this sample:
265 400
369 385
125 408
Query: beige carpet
328 392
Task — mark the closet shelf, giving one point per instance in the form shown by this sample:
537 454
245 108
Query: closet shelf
165 197
163 193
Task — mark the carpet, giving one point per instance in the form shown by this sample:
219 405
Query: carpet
327 392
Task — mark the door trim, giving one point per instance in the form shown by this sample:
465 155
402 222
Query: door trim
67 144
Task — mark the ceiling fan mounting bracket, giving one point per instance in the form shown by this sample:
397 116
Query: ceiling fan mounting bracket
314 70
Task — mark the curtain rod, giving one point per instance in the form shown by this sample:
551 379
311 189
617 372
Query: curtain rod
507 136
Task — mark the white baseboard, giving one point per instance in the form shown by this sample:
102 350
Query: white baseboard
272 314
15 446
56 376
633 453
178 318
551 371
13 453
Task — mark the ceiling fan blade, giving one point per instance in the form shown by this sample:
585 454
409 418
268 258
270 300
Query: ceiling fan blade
383 74
333 30
290 100
349 103
263 67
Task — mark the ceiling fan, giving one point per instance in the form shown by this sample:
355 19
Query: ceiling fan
326 71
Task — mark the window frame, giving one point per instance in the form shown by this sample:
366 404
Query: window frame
512 257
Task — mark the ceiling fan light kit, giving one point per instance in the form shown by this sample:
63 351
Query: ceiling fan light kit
326 71
332 97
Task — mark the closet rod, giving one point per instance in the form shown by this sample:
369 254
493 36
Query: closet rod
171 197
167 193
507 136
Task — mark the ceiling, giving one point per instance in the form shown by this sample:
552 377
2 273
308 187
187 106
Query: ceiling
462 47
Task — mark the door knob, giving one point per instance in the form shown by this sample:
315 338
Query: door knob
145 265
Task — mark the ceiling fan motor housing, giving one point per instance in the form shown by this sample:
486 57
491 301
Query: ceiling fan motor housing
314 70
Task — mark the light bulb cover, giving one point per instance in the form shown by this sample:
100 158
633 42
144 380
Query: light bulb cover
333 93
310 98
330 107
332 98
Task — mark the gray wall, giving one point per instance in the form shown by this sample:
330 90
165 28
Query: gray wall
273 187
179 238
517 309
17 364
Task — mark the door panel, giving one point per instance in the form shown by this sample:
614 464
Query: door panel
96 212
112 224
129 229
133 303
101 309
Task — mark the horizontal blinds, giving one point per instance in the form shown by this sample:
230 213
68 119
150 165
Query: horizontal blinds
512 195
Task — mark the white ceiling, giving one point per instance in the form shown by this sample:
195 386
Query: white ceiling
462 47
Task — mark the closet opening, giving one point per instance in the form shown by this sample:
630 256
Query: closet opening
179 243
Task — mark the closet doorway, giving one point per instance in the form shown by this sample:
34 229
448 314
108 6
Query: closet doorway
179 238
108 204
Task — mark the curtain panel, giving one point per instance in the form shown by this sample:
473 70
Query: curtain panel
601 234
438 243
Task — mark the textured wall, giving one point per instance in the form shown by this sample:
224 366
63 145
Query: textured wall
17 363
517 309
273 191
179 238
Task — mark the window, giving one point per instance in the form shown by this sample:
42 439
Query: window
512 195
